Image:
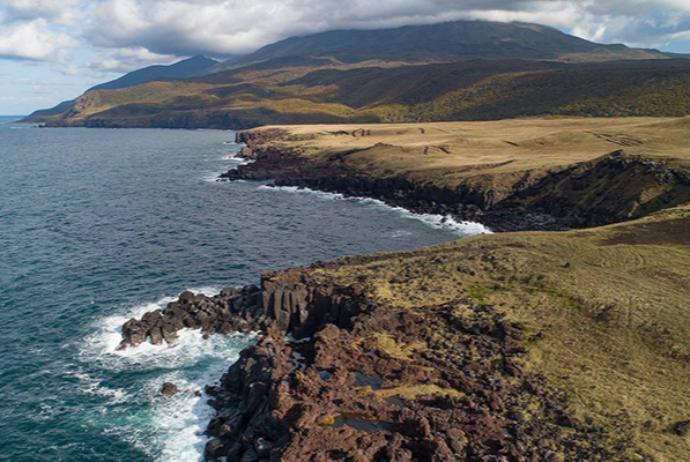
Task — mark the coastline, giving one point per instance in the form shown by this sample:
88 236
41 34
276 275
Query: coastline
593 189
434 220
349 355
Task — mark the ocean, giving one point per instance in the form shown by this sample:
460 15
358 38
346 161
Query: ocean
98 226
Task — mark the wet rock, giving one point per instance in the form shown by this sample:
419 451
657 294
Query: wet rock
186 298
234 310
156 336
262 447
169 332
213 449
225 431
250 455
169 389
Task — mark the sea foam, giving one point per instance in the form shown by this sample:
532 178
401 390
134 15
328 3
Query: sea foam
446 223
168 429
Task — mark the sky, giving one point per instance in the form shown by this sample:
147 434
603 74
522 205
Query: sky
52 50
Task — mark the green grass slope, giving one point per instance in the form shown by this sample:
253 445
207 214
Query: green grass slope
604 316
320 91
415 73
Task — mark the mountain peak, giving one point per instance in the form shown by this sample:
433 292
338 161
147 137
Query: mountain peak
448 41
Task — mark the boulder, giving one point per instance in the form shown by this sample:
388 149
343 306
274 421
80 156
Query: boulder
169 389
250 455
263 447
219 313
187 298
152 317
213 449
169 333
156 336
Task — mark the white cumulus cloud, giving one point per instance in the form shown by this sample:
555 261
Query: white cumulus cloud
220 27
56 11
146 31
35 40
123 60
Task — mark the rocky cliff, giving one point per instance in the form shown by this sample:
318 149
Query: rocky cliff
611 188
531 346
374 383
354 380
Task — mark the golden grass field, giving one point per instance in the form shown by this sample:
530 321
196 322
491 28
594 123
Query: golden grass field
606 312
447 152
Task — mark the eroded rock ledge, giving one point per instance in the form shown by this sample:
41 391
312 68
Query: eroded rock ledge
335 376
615 187
295 305
233 310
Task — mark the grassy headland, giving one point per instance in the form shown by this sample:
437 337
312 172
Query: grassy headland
562 346
583 172
600 312
604 315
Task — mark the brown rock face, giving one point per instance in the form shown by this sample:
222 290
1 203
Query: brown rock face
374 383
355 381
297 305
169 389
233 310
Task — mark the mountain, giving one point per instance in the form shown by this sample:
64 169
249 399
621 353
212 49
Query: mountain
443 42
179 70
466 70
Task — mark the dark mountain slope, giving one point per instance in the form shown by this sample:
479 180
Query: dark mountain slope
446 41
465 90
416 73
180 70
484 90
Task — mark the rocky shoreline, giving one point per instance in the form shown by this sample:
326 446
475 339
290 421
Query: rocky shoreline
339 375
335 376
583 195
233 310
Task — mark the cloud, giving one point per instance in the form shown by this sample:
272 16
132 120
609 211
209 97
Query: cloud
35 41
122 60
223 27
123 34
38 30
62 12
83 41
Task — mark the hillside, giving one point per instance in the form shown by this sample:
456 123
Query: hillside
411 74
179 70
318 92
449 41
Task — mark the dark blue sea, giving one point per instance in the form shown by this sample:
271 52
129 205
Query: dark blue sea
97 226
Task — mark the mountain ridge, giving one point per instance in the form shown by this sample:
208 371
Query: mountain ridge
463 70
181 69
442 41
